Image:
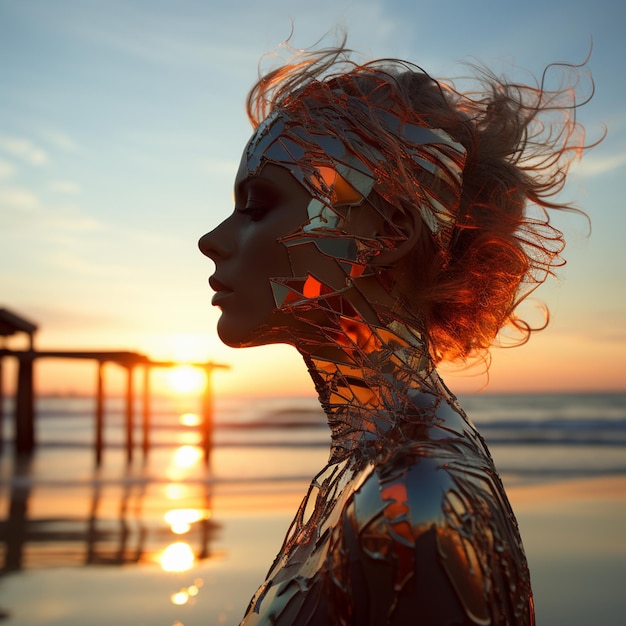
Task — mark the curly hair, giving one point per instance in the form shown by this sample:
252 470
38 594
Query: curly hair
519 142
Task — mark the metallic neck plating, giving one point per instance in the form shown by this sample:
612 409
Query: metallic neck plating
383 393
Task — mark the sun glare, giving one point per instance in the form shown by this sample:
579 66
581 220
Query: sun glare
186 379
176 491
190 419
184 595
180 520
179 598
186 456
182 462
177 557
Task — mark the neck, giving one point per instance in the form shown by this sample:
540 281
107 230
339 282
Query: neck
378 388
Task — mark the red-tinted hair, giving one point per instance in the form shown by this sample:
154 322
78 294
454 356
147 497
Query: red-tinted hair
520 141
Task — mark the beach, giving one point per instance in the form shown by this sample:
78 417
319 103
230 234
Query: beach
167 540
573 533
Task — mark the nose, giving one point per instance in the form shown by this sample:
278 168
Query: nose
213 244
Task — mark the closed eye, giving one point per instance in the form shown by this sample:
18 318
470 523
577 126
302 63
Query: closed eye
259 198
255 213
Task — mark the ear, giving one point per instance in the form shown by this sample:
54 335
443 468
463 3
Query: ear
400 230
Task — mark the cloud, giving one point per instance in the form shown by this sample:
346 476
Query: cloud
74 262
60 140
14 198
7 169
22 208
65 186
593 165
70 220
23 149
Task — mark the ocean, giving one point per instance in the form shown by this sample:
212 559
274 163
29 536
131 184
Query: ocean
169 540
531 436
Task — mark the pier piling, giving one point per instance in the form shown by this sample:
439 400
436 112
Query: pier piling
25 405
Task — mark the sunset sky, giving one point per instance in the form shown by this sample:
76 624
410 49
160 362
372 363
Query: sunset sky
122 124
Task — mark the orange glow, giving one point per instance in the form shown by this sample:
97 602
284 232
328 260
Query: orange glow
176 491
184 595
187 456
192 438
185 379
179 598
177 557
193 590
183 460
190 419
180 520
312 288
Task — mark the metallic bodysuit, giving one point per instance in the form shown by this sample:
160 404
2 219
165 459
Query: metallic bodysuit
409 522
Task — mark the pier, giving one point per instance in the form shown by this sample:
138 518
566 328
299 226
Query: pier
24 414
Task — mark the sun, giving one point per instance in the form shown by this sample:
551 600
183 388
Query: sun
186 379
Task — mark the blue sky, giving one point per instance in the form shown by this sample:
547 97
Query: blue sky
122 123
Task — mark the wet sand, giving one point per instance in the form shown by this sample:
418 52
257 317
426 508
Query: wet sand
575 539
93 553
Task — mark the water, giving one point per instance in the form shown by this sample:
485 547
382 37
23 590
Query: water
167 540
531 436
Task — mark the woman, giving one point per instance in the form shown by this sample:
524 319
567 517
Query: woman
380 227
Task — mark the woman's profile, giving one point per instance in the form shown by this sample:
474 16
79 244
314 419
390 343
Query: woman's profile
381 227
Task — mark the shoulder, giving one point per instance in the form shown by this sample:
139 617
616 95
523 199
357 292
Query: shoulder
434 485
411 487
402 507
396 506
418 535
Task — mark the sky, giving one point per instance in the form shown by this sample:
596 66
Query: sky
122 125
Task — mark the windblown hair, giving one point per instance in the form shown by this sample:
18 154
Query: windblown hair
519 140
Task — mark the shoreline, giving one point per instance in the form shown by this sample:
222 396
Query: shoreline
610 486
572 531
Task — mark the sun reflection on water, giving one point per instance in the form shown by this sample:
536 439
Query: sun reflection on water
187 456
180 520
190 419
176 491
177 557
183 460
189 438
184 595
179 598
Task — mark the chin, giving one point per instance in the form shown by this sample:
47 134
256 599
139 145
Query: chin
232 337
237 336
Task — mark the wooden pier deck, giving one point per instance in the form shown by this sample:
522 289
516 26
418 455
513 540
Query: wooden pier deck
24 414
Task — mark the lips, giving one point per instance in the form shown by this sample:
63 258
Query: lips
218 285
222 291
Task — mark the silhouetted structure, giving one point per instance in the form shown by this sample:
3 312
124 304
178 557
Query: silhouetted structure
24 414
10 324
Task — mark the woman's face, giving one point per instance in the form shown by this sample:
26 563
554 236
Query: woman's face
287 258
248 253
